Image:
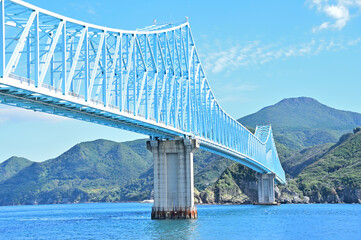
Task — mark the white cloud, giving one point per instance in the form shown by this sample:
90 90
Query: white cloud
339 12
91 11
324 25
256 53
354 42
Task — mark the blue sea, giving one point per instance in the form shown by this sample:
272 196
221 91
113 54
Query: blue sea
132 221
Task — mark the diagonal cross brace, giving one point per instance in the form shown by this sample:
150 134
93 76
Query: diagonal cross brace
12 64
50 54
130 54
96 63
114 65
75 61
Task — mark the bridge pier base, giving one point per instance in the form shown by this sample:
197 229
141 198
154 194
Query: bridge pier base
266 191
173 178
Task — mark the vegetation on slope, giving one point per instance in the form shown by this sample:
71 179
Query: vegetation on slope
336 176
298 161
88 171
237 184
106 171
12 166
97 171
303 122
323 173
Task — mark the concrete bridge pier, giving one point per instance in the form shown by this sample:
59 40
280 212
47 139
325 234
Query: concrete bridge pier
173 178
266 191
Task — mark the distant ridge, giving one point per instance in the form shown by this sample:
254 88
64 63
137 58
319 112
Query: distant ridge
94 171
12 166
322 174
303 122
89 171
303 112
335 176
107 171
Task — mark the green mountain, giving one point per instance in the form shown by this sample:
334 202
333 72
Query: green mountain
89 171
106 171
304 122
294 164
305 132
207 168
97 171
12 166
328 173
237 184
335 176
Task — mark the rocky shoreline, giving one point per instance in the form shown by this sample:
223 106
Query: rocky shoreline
283 196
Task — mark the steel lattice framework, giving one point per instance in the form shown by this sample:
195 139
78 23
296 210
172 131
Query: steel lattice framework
149 81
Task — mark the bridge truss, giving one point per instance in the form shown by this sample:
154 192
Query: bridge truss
149 81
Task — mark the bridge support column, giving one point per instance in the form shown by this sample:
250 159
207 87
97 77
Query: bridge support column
173 178
266 191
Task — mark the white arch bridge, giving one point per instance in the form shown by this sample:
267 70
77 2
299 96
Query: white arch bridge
149 81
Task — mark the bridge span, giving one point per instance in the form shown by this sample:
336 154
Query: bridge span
149 81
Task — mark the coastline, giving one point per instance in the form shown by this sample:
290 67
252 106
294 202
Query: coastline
198 204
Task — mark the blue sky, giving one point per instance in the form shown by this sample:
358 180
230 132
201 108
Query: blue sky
255 53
